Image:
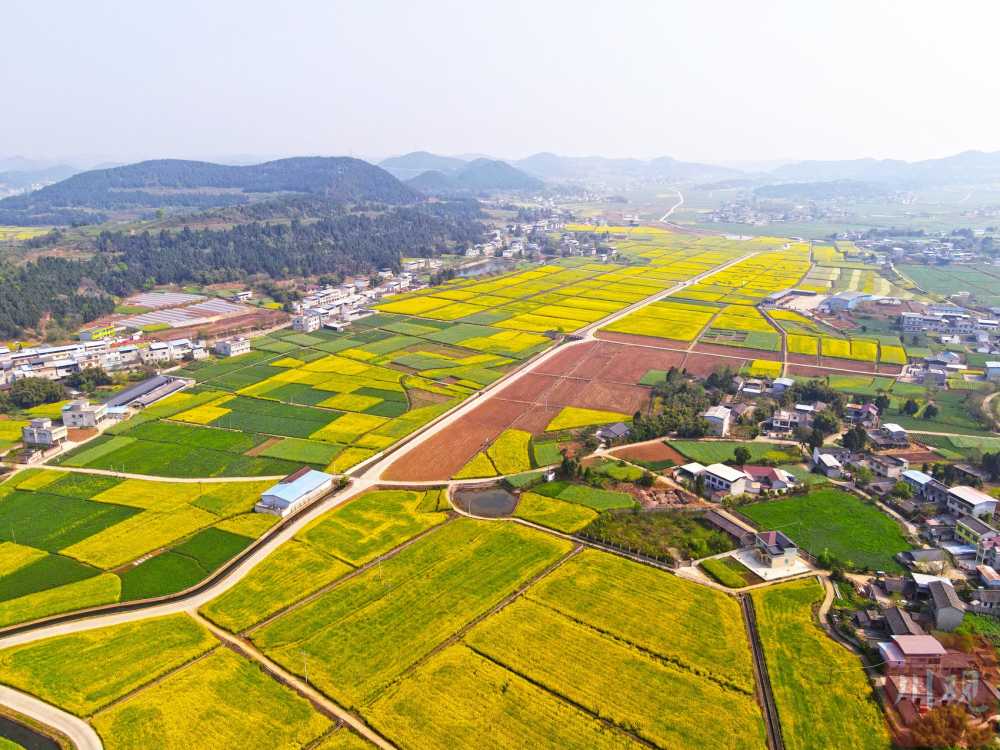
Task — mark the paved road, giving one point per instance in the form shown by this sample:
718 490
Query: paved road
674 207
82 734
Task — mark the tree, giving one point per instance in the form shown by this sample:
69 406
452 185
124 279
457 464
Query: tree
826 422
89 379
882 403
816 439
930 412
911 407
646 480
856 439
864 476
699 485
948 726
29 392
742 455
902 490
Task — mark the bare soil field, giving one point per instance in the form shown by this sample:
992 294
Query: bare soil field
628 338
564 392
496 414
650 452
592 365
528 388
256 451
705 364
441 457
885 369
258 318
919 458
849 364
563 362
624 399
736 351
633 362
803 359
536 419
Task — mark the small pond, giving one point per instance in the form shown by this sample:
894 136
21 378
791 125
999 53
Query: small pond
492 502
29 739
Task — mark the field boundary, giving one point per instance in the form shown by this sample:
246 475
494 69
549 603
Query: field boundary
180 596
765 695
354 573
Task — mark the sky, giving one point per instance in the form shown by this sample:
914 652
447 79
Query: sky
720 82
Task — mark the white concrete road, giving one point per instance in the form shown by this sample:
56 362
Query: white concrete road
79 731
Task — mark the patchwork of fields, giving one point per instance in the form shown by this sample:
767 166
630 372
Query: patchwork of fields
68 539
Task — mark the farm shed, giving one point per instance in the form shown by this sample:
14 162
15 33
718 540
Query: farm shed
294 491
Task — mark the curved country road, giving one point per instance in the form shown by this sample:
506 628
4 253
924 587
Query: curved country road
82 734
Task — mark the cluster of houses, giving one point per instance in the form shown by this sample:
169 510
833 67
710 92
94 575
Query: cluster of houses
722 481
109 354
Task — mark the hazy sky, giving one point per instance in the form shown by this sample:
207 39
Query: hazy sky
712 81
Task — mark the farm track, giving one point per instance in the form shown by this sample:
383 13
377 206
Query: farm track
765 695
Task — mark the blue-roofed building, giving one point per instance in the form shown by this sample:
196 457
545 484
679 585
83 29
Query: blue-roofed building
294 491
925 486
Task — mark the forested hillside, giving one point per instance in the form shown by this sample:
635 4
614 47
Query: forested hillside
178 183
340 241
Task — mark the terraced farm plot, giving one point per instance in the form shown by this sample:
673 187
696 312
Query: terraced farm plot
215 704
90 592
583 494
822 695
296 570
553 513
439 584
593 670
83 672
52 522
510 453
370 525
665 319
833 521
448 693
699 629
572 417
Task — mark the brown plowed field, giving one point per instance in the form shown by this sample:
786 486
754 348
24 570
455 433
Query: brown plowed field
624 399
592 366
705 364
536 419
565 360
628 338
736 351
919 458
528 388
803 359
564 392
849 364
496 414
634 362
650 452
442 456
889 369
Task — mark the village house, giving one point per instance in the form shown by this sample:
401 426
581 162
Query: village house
947 608
774 549
719 418
968 501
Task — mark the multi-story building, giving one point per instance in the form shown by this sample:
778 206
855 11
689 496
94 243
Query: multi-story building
232 347
307 322
80 413
943 322
41 431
